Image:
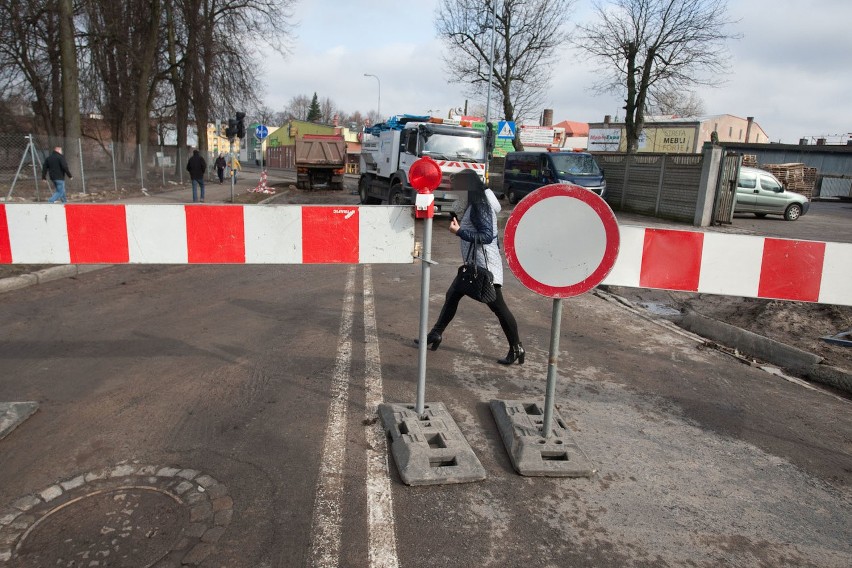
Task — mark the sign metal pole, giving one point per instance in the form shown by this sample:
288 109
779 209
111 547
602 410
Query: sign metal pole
233 173
552 360
424 315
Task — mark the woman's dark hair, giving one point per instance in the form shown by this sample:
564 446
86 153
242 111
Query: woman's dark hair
468 180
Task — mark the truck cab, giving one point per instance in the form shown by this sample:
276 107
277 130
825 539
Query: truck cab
388 151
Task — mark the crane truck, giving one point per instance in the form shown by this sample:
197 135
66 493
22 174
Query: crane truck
390 148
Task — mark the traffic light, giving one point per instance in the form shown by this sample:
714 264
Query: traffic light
241 127
231 131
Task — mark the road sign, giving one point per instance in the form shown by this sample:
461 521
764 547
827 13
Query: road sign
506 130
561 240
261 132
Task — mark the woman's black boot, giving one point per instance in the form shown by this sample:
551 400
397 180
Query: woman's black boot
433 340
516 353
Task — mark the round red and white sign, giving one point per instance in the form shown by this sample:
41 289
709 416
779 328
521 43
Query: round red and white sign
561 240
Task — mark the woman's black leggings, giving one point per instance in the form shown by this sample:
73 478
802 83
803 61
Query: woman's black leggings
498 306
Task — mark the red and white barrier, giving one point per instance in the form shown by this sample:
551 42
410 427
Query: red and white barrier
734 265
690 261
204 234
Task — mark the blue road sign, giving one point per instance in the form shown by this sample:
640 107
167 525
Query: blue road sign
506 129
261 132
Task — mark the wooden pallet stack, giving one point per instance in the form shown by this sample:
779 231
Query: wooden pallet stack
795 177
750 160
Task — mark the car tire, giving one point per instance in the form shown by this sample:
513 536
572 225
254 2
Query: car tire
512 196
793 212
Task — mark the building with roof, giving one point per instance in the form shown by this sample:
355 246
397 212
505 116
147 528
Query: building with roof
673 134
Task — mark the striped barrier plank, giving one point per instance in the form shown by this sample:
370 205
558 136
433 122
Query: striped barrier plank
734 265
688 261
205 234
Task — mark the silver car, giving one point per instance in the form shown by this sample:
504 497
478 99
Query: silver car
761 193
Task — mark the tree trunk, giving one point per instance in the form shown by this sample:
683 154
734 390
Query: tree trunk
179 88
143 85
70 81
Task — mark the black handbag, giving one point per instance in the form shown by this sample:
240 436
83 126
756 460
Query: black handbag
473 280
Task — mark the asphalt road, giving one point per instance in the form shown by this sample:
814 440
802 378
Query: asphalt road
265 377
825 221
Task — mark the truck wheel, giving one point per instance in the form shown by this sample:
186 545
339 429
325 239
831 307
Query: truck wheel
395 196
363 192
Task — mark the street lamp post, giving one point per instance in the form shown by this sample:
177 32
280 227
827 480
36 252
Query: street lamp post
379 106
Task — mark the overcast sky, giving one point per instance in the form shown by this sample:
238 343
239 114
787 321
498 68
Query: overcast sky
791 70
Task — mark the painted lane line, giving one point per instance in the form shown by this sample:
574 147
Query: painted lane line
381 523
326 523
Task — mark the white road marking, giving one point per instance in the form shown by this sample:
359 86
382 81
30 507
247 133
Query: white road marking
381 524
325 525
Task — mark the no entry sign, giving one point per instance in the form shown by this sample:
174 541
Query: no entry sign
561 240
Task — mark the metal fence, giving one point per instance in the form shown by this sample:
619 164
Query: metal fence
97 166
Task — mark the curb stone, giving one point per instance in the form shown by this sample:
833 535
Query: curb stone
786 356
751 343
46 275
803 363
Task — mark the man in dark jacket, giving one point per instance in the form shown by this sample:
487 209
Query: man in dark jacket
197 167
57 167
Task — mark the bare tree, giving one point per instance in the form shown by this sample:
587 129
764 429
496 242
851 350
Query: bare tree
223 70
30 58
124 59
263 115
528 33
297 108
70 80
650 47
328 109
676 103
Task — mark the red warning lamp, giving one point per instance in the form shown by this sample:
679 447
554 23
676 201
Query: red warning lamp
424 176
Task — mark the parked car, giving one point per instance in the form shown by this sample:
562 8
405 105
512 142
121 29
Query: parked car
525 172
761 193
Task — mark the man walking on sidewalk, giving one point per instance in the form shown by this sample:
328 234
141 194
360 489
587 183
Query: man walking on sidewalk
197 167
57 167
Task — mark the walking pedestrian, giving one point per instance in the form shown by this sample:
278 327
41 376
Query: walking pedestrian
235 167
479 223
56 166
221 164
197 167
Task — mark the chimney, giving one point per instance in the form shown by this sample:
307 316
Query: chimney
820 141
607 119
750 120
547 117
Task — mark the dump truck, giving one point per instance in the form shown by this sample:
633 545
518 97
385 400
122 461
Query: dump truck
320 160
390 148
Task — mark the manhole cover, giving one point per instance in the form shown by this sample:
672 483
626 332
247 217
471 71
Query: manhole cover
125 527
128 516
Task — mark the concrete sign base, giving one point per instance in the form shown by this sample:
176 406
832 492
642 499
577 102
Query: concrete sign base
429 449
13 413
532 454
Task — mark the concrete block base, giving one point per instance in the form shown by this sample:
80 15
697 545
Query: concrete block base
533 454
429 449
13 413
